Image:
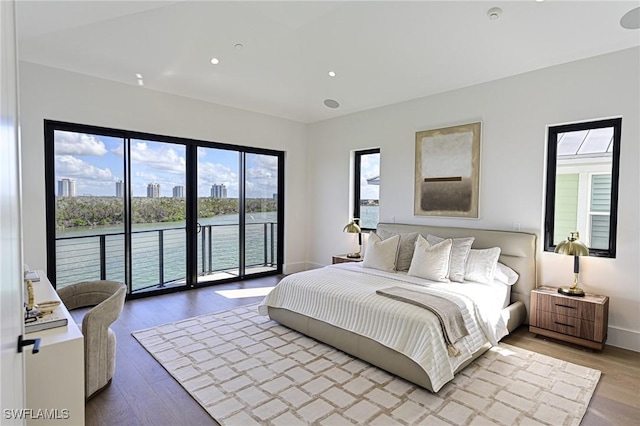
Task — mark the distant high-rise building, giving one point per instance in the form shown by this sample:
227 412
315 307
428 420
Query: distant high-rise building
218 191
178 191
66 188
153 190
120 189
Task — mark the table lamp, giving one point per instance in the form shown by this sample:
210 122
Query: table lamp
353 228
573 247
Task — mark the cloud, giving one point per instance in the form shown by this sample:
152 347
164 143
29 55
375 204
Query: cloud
262 176
160 157
71 143
72 167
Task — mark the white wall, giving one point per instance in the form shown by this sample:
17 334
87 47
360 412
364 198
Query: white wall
514 113
49 93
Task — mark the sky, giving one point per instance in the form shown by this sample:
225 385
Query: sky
96 163
369 168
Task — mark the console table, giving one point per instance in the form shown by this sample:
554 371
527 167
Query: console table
55 375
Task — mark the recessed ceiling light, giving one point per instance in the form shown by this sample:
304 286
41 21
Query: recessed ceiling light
332 73
494 13
631 19
215 61
138 75
331 103
238 46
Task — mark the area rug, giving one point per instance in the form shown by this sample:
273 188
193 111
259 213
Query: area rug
245 369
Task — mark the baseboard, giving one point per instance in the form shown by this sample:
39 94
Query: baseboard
623 338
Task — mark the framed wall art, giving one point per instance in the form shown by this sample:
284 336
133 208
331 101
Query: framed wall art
447 171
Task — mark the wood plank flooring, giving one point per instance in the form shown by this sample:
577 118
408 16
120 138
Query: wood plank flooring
143 393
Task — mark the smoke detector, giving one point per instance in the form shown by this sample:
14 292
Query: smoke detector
494 13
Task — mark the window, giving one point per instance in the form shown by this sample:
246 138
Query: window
582 184
158 212
366 203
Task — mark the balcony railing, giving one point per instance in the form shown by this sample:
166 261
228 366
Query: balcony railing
158 257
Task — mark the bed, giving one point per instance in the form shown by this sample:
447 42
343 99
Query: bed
338 305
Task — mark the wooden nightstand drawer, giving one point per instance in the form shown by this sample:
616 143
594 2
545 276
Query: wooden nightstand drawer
581 320
568 307
566 325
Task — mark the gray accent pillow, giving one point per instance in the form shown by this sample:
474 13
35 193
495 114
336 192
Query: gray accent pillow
459 253
405 249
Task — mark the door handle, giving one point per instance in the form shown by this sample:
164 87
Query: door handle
28 342
198 228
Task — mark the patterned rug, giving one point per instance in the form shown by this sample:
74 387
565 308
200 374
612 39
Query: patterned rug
245 369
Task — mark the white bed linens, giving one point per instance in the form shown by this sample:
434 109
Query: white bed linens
344 295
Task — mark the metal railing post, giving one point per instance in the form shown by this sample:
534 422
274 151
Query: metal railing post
210 248
264 234
161 253
272 241
103 257
203 239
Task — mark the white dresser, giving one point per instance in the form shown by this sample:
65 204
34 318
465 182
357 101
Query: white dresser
55 375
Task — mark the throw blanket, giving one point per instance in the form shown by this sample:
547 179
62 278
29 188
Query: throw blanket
448 313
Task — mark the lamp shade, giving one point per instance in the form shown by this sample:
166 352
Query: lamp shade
572 246
352 227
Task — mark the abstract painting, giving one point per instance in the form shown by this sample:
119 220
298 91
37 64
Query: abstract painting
448 171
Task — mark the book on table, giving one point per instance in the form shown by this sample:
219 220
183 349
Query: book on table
46 322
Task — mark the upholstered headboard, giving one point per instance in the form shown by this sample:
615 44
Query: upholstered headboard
517 250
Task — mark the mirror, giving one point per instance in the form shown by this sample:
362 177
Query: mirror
583 160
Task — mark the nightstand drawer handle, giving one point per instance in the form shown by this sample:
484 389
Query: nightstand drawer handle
566 325
565 306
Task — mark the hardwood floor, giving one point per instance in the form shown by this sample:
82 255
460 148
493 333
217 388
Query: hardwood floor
143 393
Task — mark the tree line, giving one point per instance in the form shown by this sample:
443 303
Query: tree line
94 211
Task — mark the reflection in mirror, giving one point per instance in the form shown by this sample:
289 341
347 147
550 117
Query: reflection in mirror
582 184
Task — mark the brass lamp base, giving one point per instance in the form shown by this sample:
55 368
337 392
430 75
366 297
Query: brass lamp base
571 291
353 255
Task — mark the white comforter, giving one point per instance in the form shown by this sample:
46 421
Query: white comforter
344 295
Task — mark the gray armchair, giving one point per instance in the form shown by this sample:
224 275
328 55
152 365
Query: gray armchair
107 297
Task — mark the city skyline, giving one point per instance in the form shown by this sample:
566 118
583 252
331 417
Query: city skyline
67 188
96 164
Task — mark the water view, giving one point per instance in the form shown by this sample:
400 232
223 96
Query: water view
159 250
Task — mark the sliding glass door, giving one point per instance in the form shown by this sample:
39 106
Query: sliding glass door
159 213
261 213
218 227
86 209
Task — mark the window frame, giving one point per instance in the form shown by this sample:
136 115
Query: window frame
552 145
357 160
191 145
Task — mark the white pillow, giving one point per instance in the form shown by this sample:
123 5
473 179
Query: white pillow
506 275
381 254
481 265
405 248
459 253
431 262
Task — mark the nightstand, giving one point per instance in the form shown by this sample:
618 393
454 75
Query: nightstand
342 258
579 320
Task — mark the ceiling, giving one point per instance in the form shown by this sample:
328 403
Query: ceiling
382 52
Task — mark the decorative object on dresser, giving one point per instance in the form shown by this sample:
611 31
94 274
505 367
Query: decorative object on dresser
353 227
581 321
572 246
344 258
